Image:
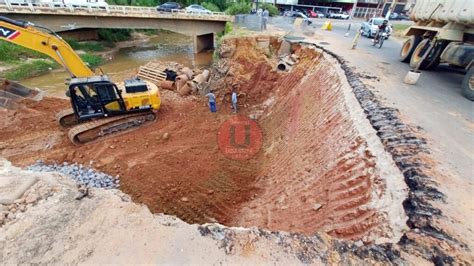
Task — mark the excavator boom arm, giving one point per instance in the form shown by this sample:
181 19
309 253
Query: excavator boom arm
26 35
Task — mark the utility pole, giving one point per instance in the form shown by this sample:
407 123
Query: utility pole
390 10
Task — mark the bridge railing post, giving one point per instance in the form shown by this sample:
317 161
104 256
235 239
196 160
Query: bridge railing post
31 7
9 6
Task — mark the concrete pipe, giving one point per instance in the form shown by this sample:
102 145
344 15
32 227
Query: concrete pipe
283 66
188 72
206 74
193 86
203 88
167 85
181 80
198 79
184 90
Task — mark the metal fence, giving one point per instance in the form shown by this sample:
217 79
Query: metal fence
255 23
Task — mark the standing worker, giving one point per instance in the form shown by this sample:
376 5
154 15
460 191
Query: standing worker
265 16
212 101
234 100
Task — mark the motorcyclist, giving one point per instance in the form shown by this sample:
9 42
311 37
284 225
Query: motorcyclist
382 27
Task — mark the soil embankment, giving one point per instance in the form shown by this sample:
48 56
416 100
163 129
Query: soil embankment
316 171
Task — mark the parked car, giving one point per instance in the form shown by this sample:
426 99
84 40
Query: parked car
369 28
312 14
339 15
289 13
315 14
168 7
397 16
197 9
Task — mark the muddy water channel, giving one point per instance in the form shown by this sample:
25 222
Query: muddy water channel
165 46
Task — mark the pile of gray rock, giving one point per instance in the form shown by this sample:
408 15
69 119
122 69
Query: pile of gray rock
81 174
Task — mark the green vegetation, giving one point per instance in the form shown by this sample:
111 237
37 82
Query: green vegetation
114 35
92 60
132 2
40 64
241 7
273 10
86 46
400 27
399 30
31 69
238 6
211 6
11 52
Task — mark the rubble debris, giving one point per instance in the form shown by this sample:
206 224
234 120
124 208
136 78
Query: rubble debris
79 173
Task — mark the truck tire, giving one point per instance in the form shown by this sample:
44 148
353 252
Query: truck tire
468 84
408 47
432 60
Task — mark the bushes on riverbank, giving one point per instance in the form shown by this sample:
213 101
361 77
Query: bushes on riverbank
11 52
115 35
87 46
92 60
31 69
242 7
28 63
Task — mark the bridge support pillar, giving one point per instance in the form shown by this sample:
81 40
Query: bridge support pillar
203 42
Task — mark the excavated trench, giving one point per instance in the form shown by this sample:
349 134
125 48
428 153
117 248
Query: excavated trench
321 167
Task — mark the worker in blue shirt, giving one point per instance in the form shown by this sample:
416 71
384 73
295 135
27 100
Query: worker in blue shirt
212 101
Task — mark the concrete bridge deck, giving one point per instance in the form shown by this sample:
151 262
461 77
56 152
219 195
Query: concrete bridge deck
67 17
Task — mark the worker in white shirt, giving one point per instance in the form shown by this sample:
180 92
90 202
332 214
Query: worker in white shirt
234 100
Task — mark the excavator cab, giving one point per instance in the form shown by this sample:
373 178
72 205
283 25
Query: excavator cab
95 97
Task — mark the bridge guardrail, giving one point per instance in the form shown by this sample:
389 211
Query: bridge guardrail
55 8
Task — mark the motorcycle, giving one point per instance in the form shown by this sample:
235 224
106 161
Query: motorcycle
380 39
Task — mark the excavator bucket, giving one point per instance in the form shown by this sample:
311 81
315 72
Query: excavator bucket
12 92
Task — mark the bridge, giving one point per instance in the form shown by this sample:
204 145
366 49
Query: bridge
61 18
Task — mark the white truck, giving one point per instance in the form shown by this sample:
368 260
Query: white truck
444 30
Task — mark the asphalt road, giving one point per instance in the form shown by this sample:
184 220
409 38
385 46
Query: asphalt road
435 103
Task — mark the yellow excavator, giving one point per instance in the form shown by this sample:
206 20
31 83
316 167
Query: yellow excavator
99 107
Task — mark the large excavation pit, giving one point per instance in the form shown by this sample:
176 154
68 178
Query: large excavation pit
321 167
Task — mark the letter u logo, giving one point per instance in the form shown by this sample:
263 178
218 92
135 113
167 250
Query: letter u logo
234 143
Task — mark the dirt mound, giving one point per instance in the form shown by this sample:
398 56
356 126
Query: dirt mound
322 168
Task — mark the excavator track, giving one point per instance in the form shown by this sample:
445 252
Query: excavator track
66 118
93 130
